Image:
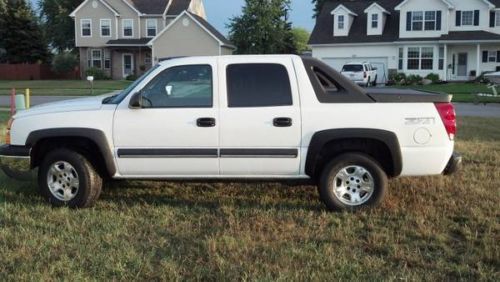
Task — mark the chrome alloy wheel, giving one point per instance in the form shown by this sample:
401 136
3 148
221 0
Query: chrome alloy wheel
62 180
353 185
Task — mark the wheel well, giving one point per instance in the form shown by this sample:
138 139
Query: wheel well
81 145
376 149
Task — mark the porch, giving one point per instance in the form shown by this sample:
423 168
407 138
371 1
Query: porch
467 61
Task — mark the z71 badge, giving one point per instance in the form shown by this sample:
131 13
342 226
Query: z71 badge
420 121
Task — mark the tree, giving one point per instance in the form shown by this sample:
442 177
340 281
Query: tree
3 11
22 35
301 38
263 28
59 27
318 5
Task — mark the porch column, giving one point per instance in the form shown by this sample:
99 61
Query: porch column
445 62
478 60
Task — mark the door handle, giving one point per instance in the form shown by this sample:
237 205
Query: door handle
282 122
205 122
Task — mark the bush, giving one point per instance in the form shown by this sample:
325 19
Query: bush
98 74
131 77
64 62
433 77
398 78
413 79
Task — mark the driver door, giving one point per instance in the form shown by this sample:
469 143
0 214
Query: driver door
175 133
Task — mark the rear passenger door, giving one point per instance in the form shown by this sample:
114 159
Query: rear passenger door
260 124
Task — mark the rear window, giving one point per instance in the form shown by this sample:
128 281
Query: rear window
258 85
353 68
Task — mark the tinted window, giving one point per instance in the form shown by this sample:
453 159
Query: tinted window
258 85
329 84
353 68
182 86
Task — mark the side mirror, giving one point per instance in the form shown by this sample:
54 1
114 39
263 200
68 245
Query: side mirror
136 101
169 89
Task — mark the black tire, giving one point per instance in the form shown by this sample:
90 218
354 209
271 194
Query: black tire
90 183
326 189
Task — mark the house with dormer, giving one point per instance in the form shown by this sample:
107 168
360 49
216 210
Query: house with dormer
456 39
127 37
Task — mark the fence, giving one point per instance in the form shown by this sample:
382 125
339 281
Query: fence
33 72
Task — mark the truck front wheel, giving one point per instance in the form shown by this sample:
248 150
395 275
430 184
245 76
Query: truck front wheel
352 181
67 178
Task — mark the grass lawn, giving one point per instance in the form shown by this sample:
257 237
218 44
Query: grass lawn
462 92
61 87
431 228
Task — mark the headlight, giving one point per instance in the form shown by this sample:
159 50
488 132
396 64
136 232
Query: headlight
7 131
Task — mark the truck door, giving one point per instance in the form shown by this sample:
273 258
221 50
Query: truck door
260 124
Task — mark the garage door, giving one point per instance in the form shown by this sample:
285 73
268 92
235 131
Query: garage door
378 62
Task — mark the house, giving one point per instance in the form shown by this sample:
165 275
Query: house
125 37
456 39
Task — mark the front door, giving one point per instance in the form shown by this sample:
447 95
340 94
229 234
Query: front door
128 64
462 65
260 118
176 132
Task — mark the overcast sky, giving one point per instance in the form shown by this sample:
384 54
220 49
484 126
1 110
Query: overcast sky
219 12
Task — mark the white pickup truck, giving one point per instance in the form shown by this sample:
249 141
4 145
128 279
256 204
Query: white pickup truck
237 117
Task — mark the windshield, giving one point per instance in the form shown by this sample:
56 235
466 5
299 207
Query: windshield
352 68
116 99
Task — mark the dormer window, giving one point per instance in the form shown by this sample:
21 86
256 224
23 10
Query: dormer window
374 20
341 22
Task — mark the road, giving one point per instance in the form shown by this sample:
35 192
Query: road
463 109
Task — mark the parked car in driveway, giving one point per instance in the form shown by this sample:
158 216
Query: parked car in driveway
237 117
363 74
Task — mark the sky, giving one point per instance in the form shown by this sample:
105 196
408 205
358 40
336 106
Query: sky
220 11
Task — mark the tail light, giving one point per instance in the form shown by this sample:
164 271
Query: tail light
448 117
364 74
7 131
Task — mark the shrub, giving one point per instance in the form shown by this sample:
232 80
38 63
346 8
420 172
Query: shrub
433 77
413 79
398 78
131 77
64 62
98 74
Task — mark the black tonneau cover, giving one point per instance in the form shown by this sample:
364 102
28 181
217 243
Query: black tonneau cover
399 95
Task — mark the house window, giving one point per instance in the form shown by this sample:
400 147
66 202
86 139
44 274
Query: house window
374 20
467 17
417 20
401 59
86 25
492 56
147 59
128 27
96 60
107 59
430 20
106 28
151 26
497 18
441 58
341 22
420 58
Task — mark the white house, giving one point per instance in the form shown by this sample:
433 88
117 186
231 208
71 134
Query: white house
456 39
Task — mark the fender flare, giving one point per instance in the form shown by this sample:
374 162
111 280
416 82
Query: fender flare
321 138
95 135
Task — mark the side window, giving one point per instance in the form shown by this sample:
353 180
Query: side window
180 87
258 85
328 83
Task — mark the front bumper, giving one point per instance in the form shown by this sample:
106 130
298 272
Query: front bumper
15 161
454 164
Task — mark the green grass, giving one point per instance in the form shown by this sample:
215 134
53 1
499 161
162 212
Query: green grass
462 92
430 228
61 87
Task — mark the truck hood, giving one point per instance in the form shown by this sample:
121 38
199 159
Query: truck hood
77 104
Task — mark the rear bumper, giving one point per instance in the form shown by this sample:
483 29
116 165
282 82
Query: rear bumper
454 164
15 161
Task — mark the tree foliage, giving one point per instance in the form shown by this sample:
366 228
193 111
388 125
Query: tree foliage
60 28
263 28
318 5
301 38
22 35
64 62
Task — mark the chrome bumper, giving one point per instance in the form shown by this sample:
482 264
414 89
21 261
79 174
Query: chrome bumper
15 161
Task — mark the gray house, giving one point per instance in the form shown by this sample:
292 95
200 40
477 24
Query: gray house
124 37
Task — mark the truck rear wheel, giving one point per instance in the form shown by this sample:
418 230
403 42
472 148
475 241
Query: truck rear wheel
352 181
67 178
